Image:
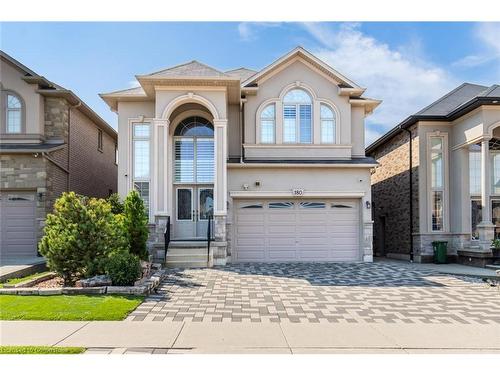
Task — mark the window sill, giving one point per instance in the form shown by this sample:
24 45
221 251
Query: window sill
298 151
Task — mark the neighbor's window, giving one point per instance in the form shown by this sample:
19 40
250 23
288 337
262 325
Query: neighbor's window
99 139
13 114
267 124
475 169
297 117
437 183
141 160
328 124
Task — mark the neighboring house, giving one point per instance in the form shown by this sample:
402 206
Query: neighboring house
455 179
277 156
50 142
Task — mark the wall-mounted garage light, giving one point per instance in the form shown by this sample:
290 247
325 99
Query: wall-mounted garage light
368 205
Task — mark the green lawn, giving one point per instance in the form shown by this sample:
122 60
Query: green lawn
39 350
65 307
25 278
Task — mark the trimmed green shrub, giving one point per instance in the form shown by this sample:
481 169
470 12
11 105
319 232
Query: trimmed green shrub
116 204
123 268
79 234
136 224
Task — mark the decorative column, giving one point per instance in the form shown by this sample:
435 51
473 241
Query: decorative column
486 227
219 248
159 181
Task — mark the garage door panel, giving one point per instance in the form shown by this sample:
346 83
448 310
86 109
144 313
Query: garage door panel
302 230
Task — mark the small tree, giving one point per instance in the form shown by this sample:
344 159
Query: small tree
62 244
79 235
116 204
136 224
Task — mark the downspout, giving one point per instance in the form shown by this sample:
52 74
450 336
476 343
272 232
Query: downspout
410 156
242 128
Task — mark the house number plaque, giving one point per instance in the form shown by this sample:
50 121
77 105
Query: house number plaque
298 192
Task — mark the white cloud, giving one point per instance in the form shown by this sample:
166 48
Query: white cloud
487 34
249 31
406 82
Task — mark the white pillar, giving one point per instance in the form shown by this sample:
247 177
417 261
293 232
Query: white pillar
486 227
160 183
220 172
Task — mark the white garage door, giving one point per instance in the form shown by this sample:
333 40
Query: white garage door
17 225
297 230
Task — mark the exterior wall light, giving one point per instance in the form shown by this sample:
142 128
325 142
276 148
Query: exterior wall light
368 205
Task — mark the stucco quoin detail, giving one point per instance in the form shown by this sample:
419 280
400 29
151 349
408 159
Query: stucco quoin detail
190 98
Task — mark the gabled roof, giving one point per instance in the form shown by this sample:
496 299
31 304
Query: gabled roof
309 57
242 73
458 102
191 69
51 89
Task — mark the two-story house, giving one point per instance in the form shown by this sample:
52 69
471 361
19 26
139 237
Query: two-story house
444 184
50 142
276 156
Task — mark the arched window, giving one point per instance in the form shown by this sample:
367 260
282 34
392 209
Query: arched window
195 127
13 114
297 117
328 124
267 124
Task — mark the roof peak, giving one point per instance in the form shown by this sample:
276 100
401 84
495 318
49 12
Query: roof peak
190 68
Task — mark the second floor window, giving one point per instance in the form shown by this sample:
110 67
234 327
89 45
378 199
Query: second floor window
297 117
267 124
99 139
13 114
328 124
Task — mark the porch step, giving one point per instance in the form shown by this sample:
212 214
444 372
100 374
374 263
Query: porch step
181 244
187 251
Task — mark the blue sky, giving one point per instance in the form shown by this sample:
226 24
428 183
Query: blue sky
407 65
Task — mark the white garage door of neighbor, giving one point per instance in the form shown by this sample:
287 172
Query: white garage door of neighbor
278 230
17 225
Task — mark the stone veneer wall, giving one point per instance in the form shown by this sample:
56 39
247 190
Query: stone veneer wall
390 195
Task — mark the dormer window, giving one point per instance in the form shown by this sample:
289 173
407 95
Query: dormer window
13 113
328 124
297 117
267 124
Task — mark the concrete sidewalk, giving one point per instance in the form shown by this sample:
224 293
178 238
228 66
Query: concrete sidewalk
193 337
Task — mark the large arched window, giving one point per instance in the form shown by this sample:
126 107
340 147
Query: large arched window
194 151
328 124
13 113
267 124
297 117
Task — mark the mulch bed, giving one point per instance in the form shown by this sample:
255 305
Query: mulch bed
55 282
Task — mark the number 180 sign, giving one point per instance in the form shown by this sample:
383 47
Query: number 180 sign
298 192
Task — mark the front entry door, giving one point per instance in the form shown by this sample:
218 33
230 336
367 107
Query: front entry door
194 204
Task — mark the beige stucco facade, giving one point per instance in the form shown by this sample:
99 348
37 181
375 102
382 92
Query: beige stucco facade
245 167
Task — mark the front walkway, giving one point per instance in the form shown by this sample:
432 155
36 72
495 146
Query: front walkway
321 293
19 267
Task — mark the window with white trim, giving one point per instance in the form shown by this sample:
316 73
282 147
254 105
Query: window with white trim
297 117
13 114
328 124
141 160
268 124
437 183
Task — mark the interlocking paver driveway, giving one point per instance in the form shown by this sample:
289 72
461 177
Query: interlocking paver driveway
320 292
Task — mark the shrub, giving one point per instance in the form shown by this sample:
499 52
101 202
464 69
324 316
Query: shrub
122 267
79 234
136 224
116 204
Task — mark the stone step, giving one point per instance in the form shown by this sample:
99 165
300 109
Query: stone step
181 244
493 266
186 264
186 251
186 257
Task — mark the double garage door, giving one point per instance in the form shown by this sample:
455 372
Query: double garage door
17 225
310 230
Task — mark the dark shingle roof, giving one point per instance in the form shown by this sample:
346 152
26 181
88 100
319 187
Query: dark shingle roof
454 104
452 100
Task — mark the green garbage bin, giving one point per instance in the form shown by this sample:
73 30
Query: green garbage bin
440 251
